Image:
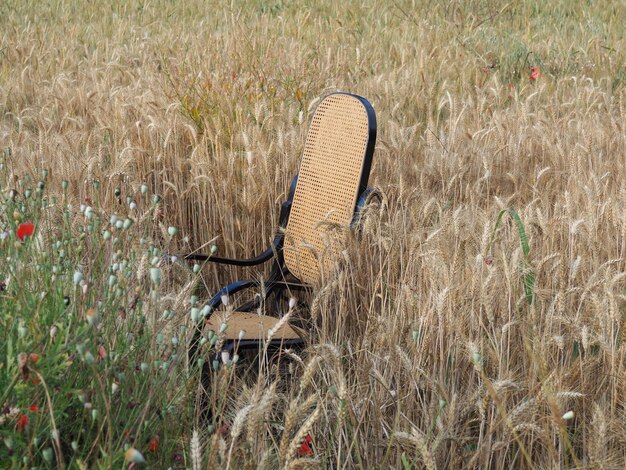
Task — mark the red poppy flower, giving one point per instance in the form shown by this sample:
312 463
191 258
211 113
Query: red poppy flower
154 444
35 380
34 358
33 408
25 229
22 421
305 448
534 73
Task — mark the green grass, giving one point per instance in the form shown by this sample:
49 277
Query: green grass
99 343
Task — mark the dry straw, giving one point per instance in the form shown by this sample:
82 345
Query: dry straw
210 112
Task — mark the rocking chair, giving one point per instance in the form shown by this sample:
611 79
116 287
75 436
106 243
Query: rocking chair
329 190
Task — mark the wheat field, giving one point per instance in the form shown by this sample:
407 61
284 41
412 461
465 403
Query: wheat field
478 321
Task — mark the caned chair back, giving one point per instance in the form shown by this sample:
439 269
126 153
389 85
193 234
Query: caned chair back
334 171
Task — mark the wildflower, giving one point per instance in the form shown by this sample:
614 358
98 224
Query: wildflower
305 448
133 206
172 231
155 275
33 408
534 73
22 361
34 358
195 314
134 456
154 444
225 357
92 317
22 421
569 415
78 276
25 229
144 189
89 359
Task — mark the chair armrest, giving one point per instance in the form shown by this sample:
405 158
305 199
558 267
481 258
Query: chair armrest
259 259
364 198
285 209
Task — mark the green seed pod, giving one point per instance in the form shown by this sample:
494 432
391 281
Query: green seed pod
155 275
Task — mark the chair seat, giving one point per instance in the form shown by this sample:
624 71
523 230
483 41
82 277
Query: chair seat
255 327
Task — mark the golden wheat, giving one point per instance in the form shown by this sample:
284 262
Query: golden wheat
429 354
